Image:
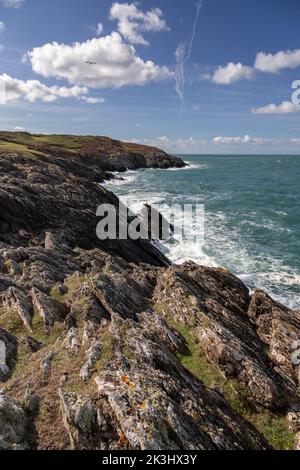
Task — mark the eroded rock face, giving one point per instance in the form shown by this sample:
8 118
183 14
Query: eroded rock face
279 328
80 419
143 387
98 329
217 305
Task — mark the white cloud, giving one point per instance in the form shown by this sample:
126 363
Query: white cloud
232 73
13 3
246 139
268 63
116 63
34 90
286 107
92 100
132 21
167 143
19 129
2 26
99 29
273 63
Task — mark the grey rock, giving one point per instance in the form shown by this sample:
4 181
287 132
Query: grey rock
13 425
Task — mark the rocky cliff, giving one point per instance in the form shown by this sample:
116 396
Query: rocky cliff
110 347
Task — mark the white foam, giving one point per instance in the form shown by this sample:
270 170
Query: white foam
224 244
122 179
191 166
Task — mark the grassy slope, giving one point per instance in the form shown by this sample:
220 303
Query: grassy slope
31 143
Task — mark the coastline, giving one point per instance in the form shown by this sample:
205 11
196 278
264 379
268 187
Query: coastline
112 330
247 229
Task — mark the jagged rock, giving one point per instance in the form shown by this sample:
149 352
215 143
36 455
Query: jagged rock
279 328
93 354
144 387
2 265
46 364
293 418
72 341
215 303
17 301
80 419
70 322
28 202
13 425
154 225
32 344
46 308
31 402
64 378
121 300
51 241
9 350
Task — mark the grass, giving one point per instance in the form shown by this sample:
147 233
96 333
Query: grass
272 426
10 321
40 144
18 147
72 284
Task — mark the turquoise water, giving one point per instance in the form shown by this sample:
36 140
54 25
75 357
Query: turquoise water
252 215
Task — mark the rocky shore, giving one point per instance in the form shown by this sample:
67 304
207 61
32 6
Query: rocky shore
108 346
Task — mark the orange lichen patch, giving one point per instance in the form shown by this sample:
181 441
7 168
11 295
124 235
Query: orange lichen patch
127 381
122 438
142 406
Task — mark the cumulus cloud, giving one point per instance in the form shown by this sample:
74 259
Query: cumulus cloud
13 3
273 63
2 26
246 139
116 63
286 107
232 73
132 22
267 63
34 90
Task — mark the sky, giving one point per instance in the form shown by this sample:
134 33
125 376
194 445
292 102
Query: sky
210 76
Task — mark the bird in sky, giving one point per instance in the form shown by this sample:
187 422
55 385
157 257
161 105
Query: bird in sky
90 63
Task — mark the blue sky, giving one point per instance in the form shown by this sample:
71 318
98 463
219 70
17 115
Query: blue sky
238 66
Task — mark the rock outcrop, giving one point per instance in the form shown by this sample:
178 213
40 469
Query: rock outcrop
110 347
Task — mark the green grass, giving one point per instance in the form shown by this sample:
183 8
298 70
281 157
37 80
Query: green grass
11 322
19 148
72 284
40 144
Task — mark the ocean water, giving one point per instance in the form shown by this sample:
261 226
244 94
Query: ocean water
252 215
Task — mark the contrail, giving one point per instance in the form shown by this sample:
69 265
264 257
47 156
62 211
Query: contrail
183 54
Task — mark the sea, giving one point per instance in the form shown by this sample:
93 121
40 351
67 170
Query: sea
251 215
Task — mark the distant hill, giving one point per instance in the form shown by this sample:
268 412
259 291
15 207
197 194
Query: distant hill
112 155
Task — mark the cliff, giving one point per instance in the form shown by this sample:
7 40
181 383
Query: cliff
108 345
101 152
